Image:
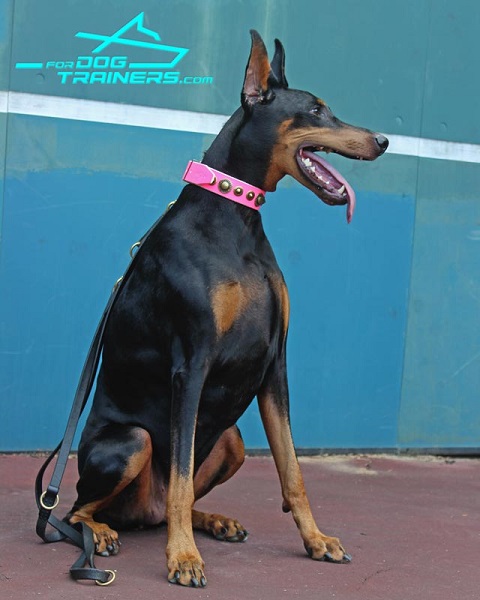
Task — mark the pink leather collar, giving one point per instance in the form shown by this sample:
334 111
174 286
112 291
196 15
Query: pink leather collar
224 185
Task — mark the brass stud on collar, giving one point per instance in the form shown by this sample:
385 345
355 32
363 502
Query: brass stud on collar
224 186
250 195
260 199
238 191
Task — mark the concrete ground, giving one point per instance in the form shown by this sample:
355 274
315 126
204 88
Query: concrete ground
412 526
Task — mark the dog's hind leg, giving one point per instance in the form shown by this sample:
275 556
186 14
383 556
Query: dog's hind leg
223 462
108 463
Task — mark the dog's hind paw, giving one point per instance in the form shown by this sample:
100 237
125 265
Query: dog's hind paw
228 530
110 550
222 528
106 542
105 539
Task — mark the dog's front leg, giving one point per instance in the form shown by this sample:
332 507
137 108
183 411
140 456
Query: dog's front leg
274 408
184 563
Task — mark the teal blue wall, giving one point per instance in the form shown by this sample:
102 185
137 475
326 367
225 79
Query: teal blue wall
384 350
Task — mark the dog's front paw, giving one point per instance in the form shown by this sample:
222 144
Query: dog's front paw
327 548
186 569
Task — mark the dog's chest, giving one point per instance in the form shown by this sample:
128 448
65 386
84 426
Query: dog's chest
242 301
251 318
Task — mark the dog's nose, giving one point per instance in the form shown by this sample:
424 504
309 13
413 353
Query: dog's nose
382 141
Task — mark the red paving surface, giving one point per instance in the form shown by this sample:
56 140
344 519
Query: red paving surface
412 526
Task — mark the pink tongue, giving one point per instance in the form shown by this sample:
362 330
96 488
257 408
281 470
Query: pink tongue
350 205
341 180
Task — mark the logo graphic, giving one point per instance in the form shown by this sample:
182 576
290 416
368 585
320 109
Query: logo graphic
98 68
117 38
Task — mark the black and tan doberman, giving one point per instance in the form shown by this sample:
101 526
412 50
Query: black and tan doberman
199 329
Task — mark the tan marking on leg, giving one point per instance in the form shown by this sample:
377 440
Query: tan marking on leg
295 498
226 457
224 460
103 535
184 563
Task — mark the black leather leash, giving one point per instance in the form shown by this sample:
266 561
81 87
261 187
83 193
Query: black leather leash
46 501
80 534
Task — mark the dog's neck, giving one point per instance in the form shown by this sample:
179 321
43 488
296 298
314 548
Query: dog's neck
224 185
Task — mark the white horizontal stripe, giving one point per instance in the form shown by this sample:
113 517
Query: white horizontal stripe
110 112
180 120
3 102
439 149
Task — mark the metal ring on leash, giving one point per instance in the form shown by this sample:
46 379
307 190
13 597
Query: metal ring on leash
113 574
132 249
137 245
54 505
117 283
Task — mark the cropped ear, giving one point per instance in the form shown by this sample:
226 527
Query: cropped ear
256 86
278 65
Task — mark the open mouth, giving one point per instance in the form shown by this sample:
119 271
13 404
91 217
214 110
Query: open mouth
330 186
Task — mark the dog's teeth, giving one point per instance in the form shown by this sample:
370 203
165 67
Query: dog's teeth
307 162
341 190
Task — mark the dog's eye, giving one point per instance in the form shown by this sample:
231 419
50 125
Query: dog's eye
316 110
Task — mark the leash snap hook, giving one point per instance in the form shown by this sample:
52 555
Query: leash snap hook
45 506
110 580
